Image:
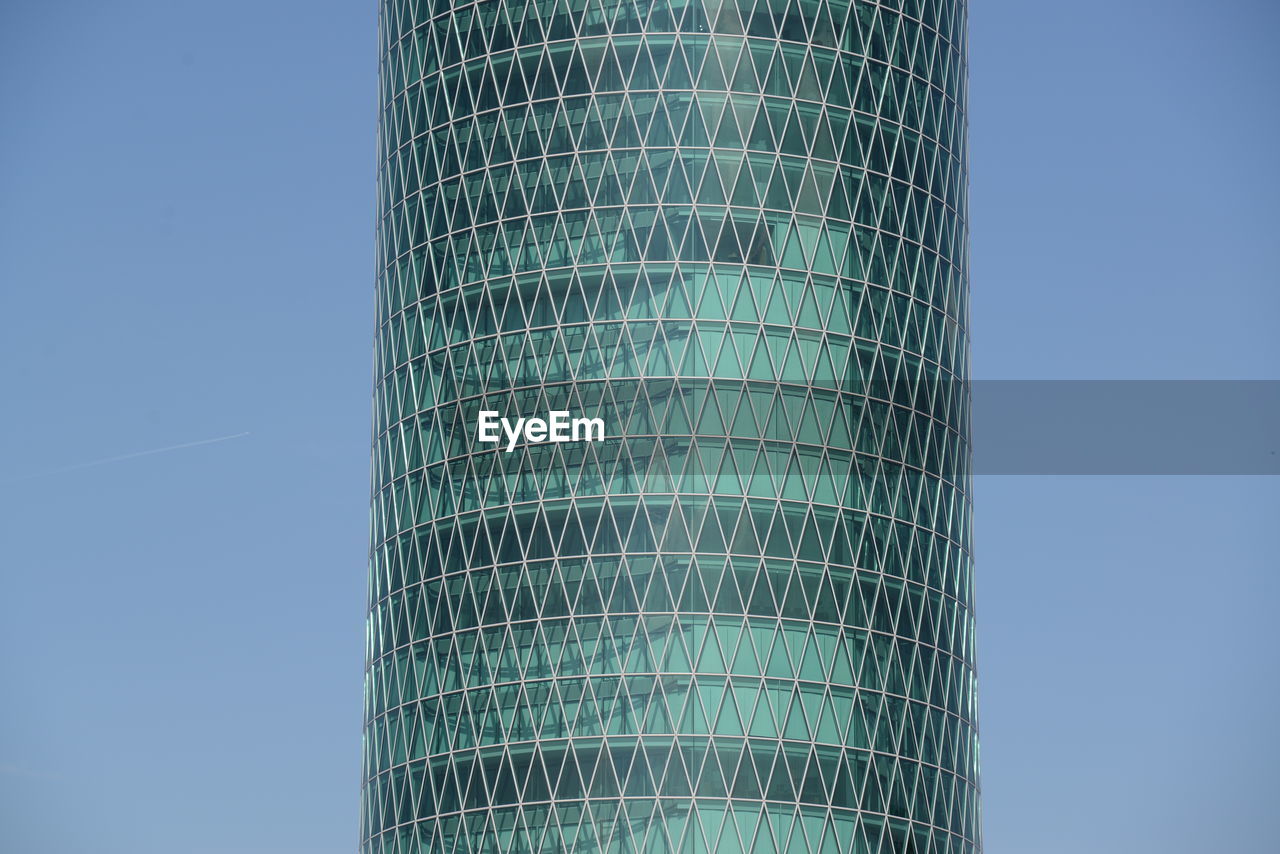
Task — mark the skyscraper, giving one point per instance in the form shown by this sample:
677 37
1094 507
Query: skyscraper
733 231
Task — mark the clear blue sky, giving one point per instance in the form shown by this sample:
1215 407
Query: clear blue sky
186 253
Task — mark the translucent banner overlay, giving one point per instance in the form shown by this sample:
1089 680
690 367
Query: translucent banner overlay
1126 427
751 437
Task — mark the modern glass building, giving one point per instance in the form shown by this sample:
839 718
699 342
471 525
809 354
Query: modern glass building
735 231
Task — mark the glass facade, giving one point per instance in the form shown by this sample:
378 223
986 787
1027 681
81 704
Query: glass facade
734 229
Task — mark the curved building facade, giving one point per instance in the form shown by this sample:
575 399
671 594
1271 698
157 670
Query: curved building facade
741 619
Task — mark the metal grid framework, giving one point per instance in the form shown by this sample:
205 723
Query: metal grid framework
736 230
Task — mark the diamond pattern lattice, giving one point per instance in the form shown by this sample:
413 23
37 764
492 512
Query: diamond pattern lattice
743 622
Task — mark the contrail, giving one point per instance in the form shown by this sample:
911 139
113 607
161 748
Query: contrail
134 455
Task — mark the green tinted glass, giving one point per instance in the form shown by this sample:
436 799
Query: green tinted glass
742 622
